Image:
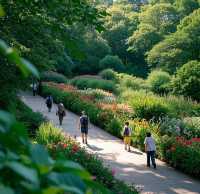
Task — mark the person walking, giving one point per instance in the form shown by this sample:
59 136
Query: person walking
83 126
49 102
34 88
61 112
150 149
127 132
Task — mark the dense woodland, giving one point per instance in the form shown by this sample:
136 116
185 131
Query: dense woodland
128 36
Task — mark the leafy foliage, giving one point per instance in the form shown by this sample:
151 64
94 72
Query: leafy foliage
113 62
31 167
53 76
186 81
159 81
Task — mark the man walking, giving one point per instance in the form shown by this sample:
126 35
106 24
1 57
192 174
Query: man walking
150 149
61 112
83 126
49 102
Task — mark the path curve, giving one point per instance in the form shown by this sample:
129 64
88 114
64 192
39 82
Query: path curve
129 167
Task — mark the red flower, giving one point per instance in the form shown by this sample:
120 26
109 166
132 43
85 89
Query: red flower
195 139
64 145
75 148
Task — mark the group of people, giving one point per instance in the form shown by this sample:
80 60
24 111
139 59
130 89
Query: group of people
149 143
83 124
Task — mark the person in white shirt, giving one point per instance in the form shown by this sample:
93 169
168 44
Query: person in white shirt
150 149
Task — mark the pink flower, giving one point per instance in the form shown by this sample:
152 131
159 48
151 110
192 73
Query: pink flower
94 178
113 172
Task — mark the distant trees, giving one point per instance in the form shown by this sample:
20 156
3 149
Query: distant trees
179 47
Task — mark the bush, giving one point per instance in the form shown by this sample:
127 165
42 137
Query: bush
146 105
186 81
53 76
185 157
113 62
83 83
61 146
159 81
108 74
128 81
169 105
32 120
192 127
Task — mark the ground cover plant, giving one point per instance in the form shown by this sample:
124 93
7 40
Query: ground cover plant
63 147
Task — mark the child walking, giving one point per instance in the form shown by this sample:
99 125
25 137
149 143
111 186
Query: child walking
127 132
150 149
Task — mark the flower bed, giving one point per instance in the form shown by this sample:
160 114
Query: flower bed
181 153
62 146
72 100
111 118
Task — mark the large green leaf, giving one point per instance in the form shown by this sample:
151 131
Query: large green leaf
25 172
68 182
6 190
41 157
73 168
6 120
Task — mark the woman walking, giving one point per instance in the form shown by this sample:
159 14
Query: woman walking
61 112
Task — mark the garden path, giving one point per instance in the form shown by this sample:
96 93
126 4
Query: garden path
129 167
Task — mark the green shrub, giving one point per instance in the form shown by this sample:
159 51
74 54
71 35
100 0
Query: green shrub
192 127
61 146
169 105
108 74
181 107
32 120
146 105
83 83
131 82
159 81
112 62
53 76
48 134
186 158
186 81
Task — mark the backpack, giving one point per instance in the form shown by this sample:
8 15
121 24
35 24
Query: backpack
84 121
49 101
126 131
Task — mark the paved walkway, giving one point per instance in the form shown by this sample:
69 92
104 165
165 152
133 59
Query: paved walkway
130 167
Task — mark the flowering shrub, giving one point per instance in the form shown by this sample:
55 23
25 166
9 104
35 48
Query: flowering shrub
67 148
140 128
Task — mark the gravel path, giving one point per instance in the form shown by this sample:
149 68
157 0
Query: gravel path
130 167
